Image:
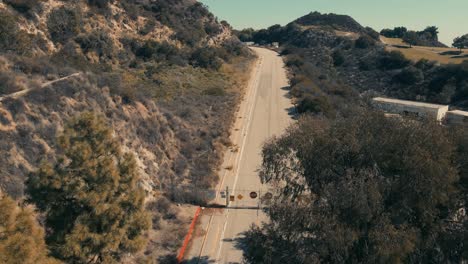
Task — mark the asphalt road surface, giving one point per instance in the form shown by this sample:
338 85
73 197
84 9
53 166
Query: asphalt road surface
263 114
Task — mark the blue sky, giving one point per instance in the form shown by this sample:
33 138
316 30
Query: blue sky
451 16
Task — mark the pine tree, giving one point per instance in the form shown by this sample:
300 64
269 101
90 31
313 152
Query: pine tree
91 197
21 236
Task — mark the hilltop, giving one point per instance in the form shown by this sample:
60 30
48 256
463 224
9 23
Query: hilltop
335 21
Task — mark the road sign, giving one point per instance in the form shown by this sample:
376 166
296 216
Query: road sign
240 196
268 196
232 198
253 195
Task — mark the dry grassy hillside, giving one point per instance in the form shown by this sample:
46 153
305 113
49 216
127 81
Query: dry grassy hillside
143 58
416 53
166 75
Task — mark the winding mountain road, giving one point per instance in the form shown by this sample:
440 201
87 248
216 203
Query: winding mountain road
262 114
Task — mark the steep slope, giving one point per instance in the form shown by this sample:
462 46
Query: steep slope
165 74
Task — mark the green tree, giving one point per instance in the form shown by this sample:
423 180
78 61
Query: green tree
365 189
433 31
21 236
461 42
411 37
90 196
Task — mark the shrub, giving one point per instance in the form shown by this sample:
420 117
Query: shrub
11 37
213 29
294 61
214 91
191 35
364 42
37 65
23 5
22 236
206 58
236 48
155 50
338 57
63 24
97 41
424 64
9 84
393 60
409 75
344 43
100 3
149 26
315 104
365 65
8 31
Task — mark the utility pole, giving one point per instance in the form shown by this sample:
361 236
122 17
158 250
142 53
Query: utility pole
227 196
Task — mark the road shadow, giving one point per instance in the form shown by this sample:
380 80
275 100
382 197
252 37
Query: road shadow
288 89
292 112
201 260
240 242
172 259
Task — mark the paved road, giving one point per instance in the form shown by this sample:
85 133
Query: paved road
262 114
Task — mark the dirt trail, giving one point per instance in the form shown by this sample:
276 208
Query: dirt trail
44 85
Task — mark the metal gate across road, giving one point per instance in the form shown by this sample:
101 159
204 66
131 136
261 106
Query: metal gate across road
236 198
254 199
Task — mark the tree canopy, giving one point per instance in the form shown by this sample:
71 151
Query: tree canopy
461 42
21 235
411 37
93 204
365 189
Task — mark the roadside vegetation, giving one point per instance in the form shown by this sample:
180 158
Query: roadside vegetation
91 198
22 238
364 189
353 185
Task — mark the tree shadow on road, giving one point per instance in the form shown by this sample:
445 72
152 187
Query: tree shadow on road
172 259
201 260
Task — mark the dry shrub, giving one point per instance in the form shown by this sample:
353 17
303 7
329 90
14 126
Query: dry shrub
10 83
63 24
23 5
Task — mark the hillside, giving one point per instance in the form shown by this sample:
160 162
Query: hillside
330 68
166 75
416 53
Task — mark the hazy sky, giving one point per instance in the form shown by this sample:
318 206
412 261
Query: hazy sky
451 16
